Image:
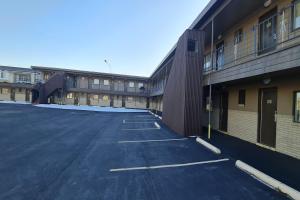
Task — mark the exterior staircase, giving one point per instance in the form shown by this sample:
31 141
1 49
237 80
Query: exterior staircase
42 91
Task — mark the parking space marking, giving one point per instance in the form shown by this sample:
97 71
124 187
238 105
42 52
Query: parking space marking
138 122
169 166
139 129
126 121
142 129
157 125
148 141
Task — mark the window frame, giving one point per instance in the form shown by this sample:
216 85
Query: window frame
238 36
106 82
192 46
96 81
70 95
294 105
242 97
207 60
293 15
131 84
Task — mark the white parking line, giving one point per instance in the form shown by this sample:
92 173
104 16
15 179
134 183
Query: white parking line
139 129
126 121
147 141
137 122
169 166
144 116
157 125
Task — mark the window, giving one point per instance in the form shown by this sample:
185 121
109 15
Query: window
192 45
296 14
238 36
141 85
207 62
220 56
106 82
20 89
2 75
130 99
96 81
242 97
297 107
4 91
70 96
131 84
105 98
46 76
24 78
95 97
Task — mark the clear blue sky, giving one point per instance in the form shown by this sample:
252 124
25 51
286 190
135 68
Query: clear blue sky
134 35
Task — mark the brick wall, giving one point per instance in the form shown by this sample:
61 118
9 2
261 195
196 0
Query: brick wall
288 136
243 124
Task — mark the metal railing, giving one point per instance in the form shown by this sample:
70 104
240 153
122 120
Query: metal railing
271 34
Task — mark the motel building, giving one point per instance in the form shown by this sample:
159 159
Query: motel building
236 70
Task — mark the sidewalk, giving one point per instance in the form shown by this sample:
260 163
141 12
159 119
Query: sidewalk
279 166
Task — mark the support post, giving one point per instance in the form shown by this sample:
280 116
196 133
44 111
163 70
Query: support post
209 78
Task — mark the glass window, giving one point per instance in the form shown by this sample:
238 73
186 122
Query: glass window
192 46
238 36
130 99
106 82
96 81
95 97
242 97
105 98
69 95
297 107
5 91
141 85
207 62
297 14
131 84
24 78
1 74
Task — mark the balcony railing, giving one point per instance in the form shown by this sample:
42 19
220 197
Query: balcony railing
272 34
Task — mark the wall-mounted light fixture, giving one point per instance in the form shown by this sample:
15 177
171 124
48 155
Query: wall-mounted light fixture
219 37
267 3
267 81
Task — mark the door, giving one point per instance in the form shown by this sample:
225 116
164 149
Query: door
13 94
123 101
220 55
267 32
267 116
223 125
76 99
27 95
111 101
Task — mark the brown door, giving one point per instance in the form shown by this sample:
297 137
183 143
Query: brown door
13 94
123 101
223 111
27 95
267 116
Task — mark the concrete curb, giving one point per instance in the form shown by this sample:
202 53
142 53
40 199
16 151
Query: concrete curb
277 185
159 117
208 146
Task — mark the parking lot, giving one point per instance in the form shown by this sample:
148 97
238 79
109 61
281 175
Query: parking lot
66 154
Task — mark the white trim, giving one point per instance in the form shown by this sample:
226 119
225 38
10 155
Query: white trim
168 166
148 141
277 185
